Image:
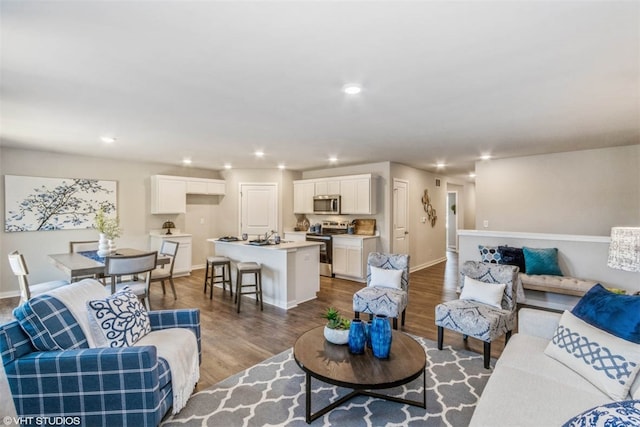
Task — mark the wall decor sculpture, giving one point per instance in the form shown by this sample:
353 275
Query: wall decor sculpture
428 208
36 204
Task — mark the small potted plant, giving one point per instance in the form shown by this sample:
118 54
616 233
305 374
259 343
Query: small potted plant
337 329
109 229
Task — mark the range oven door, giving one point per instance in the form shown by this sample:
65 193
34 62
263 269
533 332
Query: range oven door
326 251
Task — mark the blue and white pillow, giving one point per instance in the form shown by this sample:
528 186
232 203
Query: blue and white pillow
606 361
119 320
490 254
625 413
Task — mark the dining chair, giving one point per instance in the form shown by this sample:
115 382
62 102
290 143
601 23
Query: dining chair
164 272
85 246
134 266
19 268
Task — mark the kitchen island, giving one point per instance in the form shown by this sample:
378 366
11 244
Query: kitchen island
290 270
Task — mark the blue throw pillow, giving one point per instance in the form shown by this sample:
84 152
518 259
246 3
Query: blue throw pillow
50 324
541 261
616 314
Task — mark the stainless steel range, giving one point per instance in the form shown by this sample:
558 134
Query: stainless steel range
329 228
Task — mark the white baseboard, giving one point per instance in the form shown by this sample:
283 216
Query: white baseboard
427 264
9 294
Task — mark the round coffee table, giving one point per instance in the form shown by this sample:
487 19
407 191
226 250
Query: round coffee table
334 364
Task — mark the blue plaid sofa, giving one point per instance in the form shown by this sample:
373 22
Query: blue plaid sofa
100 386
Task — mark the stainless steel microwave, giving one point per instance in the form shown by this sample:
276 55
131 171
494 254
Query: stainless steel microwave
326 204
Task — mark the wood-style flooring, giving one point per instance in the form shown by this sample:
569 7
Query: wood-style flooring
233 342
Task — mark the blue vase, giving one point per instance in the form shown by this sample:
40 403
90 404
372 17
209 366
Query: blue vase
367 333
357 337
381 337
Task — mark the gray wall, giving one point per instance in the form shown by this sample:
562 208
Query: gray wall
581 192
206 216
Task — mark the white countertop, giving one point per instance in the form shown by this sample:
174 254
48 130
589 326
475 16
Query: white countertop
174 234
282 246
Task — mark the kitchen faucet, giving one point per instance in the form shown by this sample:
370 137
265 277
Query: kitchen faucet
268 234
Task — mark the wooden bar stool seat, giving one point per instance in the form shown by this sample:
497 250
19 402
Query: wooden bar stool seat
249 268
211 278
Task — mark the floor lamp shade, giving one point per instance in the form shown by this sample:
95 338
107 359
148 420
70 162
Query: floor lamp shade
624 250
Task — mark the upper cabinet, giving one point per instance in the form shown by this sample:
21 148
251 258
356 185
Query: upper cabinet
169 193
326 187
303 192
205 186
358 193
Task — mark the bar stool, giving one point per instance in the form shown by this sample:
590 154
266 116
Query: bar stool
249 268
225 277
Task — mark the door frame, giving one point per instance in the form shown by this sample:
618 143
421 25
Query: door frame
455 223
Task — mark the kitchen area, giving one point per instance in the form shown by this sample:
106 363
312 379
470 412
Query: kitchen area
334 231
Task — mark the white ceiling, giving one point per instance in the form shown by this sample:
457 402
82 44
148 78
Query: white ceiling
214 81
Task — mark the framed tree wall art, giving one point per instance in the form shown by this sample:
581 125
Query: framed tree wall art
37 204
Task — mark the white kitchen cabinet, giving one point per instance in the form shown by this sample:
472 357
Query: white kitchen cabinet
303 192
327 187
358 194
182 264
168 194
350 256
205 186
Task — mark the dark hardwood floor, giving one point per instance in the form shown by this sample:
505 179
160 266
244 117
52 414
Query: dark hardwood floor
232 342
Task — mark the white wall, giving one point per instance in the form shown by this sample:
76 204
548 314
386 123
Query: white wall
133 208
580 192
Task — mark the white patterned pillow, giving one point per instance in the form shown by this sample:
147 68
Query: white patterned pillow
625 413
608 362
118 320
486 293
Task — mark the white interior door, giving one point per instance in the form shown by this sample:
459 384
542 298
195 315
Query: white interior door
400 216
258 208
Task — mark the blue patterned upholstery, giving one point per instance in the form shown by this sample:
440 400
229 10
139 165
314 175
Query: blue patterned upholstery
478 320
383 300
50 324
102 386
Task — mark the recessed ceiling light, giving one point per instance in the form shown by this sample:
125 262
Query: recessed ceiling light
281 166
107 139
440 165
186 161
259 153
333 159
472 175
485 157
352 89
227 165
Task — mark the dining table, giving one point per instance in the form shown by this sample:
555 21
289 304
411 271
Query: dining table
87 263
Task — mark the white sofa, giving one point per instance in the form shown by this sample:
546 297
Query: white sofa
528 388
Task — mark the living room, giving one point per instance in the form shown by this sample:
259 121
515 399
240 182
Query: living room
576 172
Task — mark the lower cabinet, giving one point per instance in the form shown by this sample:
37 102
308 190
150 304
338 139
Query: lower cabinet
182 265
350 256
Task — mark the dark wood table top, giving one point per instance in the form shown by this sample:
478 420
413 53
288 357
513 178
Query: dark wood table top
334 364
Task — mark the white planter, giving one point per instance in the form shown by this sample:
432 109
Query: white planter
336 336
103 245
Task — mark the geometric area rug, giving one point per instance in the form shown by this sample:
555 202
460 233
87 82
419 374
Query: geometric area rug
272 393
